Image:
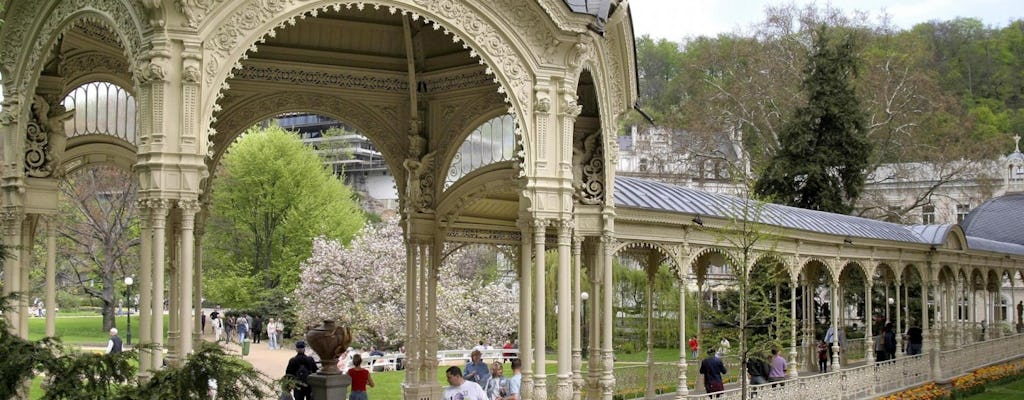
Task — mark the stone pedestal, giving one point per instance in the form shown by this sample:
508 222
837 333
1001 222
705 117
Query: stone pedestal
329 387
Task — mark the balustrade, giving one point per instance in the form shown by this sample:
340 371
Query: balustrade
871 381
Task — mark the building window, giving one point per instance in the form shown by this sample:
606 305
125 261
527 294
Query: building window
928 214
961 212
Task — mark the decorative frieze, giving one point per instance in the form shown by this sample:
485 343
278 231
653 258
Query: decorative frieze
195 11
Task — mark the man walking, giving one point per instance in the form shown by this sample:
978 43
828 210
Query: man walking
114 343
712 368
777 372
299 368
515 383
460 388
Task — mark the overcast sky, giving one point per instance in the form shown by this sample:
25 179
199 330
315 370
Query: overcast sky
679 19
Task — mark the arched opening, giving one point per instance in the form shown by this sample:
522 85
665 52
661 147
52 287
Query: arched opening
492 142
101 108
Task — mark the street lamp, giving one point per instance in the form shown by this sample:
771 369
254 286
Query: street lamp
128 281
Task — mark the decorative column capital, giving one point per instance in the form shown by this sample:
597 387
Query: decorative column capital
566 226
12 218
540 225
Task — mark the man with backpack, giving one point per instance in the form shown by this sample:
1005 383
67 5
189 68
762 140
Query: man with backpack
299 368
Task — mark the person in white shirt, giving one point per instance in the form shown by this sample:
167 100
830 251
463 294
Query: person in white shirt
460 388
114 344
272 334
723 347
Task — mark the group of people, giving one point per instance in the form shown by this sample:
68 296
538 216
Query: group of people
245 326
760 371
301 366
886 345
479 382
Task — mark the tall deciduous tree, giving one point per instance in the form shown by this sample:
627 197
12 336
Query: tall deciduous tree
362 286
99 232
271 198
824 150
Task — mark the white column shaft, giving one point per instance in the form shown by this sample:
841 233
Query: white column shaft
51 276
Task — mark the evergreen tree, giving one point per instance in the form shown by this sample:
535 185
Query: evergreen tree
824 149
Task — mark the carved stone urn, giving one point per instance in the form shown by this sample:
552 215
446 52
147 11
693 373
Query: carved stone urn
329 342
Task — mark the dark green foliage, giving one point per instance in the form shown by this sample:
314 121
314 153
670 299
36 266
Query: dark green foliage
20 356
824 150
76 375
235 379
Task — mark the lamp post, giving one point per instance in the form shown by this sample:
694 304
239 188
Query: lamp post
128 281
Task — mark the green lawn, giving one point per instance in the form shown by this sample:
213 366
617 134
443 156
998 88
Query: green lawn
84 330
1012 390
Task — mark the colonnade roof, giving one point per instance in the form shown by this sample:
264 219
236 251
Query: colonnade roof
1000 219
647 194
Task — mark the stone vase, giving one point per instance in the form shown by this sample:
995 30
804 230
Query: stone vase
329 341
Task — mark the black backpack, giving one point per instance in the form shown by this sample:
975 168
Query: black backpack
302 373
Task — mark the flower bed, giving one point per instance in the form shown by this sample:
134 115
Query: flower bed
930 391
966 385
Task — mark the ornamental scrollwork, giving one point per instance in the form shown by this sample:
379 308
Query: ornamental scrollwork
588 169
298 76
195 11
79 65
581 51
45 138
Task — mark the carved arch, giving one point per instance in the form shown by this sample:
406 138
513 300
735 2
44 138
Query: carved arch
241 24
671 253
32 27
86 150
88 67
243 114
785 262
493 178
452 156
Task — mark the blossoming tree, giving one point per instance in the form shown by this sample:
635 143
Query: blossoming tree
362 286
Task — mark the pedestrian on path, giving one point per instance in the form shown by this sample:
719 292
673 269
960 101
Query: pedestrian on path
272 334
712 368
114 343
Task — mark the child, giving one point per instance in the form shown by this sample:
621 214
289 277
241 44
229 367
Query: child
822 357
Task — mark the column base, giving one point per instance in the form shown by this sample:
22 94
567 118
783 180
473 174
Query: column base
326 387
420 392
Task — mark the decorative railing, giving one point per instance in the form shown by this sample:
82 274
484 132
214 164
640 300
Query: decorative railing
872 381
959 361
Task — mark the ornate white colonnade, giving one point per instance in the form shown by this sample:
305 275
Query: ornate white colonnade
202 72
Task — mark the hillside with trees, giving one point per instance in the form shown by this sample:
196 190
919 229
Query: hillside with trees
939 92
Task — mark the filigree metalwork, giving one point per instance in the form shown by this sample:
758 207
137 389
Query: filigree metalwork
101 108
492 142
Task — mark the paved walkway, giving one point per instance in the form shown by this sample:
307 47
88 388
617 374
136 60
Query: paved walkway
270 362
